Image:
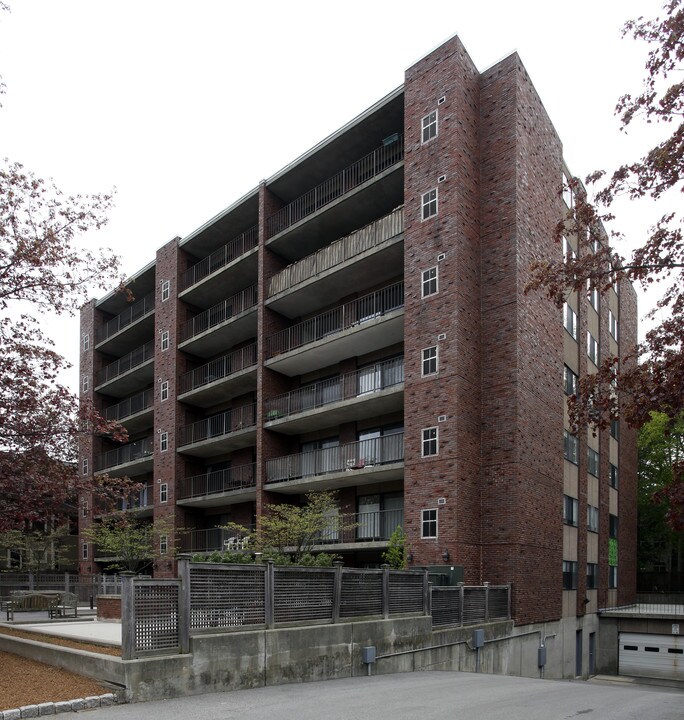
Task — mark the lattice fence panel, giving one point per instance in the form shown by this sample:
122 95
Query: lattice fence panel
498 603
446 606
405 592
301 595
224 597
361 593
156 617
474 604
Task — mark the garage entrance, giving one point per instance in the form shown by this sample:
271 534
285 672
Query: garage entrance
649 655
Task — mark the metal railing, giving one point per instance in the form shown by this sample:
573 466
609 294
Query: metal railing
361 527
351 177
85 587
137 500
129 361
336 253
131 314
226 309
349 457
126 453
219 368
219 481
224 423
211 540
130 406
336 320
370 379
220 258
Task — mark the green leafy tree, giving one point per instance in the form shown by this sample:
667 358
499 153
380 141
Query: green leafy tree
40 550
396 555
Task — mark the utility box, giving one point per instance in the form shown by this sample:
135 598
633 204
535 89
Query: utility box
368 654
478 638
541 656
445 575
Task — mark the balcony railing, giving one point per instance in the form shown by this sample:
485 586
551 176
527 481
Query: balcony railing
336 320
130 406
134 358
137 500
224 423
219 368
220 258
351 385
136 311
218 314
125 454
350 457
338 252
361 527
351 177
220 481
213 539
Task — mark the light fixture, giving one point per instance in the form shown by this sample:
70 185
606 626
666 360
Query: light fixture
445 555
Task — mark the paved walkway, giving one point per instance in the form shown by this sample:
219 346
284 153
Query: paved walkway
104 633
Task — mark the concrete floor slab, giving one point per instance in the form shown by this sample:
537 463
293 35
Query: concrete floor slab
104 633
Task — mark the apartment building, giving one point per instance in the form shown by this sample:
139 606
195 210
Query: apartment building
358 322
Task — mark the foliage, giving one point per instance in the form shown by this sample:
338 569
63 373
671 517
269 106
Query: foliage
396 555
624 387
40 550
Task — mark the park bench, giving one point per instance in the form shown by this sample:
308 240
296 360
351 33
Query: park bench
68 603
31 601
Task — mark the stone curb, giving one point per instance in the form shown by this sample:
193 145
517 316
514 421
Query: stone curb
57 708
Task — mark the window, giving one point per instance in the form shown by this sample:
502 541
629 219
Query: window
164 493
429 366
85 383
568 251
592 576
163 442
428 523
567 191
612 576
84 509
165 290
86 342
164 340
592 462
592 295
429 126
570 511
429 204
570 447
430 442
429 284
84 466
592 348
164 391
612 325
163 544
570 320
592 518
613 478
613 526
569 575
615 429
84 551
569 381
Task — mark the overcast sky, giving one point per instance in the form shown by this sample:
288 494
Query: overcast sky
186 106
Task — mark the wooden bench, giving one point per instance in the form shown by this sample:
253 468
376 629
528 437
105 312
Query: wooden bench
32 601
68 603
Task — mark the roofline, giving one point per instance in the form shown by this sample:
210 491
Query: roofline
130 278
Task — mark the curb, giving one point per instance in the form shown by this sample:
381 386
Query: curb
57 708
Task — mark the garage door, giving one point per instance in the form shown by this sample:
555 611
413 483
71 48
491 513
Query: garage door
658 656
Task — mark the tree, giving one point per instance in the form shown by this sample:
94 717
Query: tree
396 555
39 550
650 377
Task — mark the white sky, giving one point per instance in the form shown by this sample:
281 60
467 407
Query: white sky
185 106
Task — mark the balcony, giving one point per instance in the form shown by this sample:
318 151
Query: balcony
222 487
230 322
222 433
135 458
364 190
369 323
204 282
368 392
137 320
220 379
129 373
212 540
140 502
370 529
366 257
135 412
358 463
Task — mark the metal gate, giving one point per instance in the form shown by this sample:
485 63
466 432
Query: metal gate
647 655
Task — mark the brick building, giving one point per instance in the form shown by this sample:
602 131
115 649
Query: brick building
359 322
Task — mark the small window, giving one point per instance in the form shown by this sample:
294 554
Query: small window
430 444
84 509
570 447
86 342
568 251
164 391
429 523
613 478
570 320
85 383
165 290
164 493
615 429
612 576
612 325
429 366
429 204
592 348
429 126
569 381
592 576
84 551
592 462
429 282
567 191
163 442
569 575
613 526
163 544
592 294
592 518
164 340
570 511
